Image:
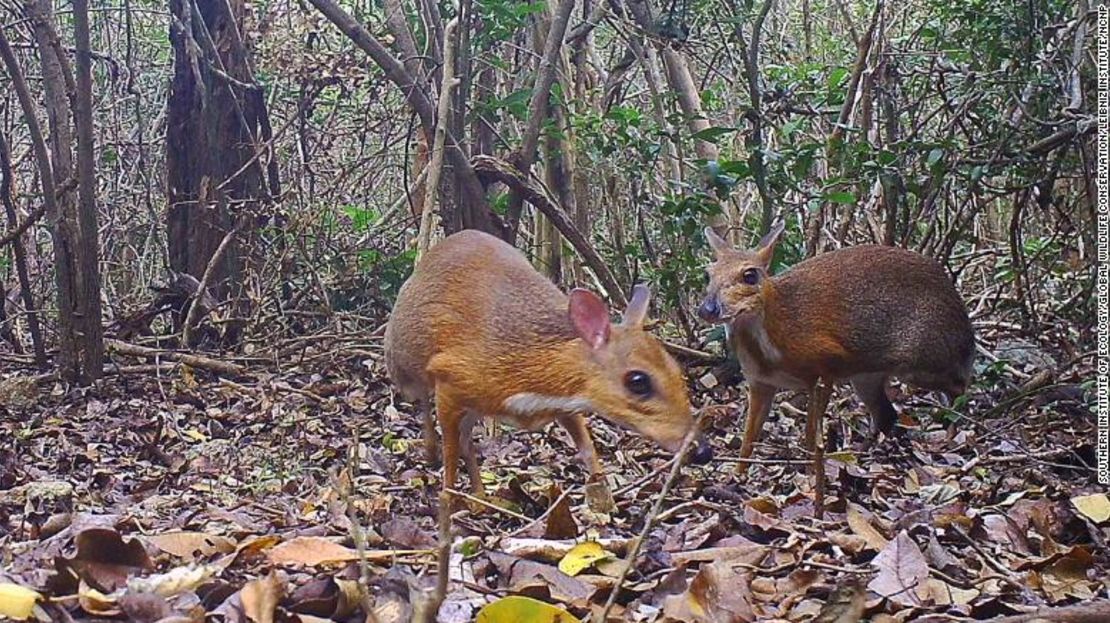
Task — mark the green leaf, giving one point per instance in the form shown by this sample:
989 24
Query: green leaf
840 196
712 134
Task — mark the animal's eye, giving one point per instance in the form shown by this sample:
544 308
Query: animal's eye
639 383
750 276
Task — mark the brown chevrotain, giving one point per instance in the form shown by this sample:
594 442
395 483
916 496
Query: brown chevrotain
479 330
861 314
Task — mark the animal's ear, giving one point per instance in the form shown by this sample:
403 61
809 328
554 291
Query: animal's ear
590 317
637 308
719 245
766 249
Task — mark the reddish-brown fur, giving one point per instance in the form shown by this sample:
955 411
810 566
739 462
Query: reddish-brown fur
480 331
862 314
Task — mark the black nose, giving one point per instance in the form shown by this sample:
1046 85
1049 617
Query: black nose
710 309
702 454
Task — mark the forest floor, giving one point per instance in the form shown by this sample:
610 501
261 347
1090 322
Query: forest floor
177 493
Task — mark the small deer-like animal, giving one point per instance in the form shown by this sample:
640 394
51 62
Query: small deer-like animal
862 314
478 330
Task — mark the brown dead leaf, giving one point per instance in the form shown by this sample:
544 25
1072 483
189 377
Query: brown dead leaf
902 572
104 560
329 598
560 522
191 544
311 551
860 525
403 531
539 580
1067 576
845 604
749 554
717 594
144 607
260 597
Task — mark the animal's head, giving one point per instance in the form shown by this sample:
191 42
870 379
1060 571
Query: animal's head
636 383
736 276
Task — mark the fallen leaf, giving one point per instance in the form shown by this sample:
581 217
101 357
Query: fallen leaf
311 551
96 603
191 544
1094 507
173 582
845 605
17 602
902 571
517 609
403 531
560 522
717 594
863 528
260 597
582 557
103 559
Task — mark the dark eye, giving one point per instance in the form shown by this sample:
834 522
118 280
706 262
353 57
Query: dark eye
750 276
639 383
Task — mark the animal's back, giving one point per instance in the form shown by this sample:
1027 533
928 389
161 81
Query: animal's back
889 308
471 292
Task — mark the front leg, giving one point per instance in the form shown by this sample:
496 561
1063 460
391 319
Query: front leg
575 424
760 398
598 496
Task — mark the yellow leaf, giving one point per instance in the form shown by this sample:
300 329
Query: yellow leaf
195 435
1094 507
582 557
17 602
517 609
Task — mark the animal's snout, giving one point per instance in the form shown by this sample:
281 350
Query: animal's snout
710 309
703 453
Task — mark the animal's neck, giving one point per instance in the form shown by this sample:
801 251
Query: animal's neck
758 329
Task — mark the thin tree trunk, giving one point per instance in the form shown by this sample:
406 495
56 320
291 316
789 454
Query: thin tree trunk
20 255
88 312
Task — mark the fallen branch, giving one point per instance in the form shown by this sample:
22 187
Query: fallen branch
197 361
1094 612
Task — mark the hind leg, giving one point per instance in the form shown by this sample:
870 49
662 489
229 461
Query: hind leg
871 389
470 457
431 436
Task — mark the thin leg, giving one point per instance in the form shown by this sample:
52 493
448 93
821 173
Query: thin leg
818 403
431 437
871 389
598 496
760 399
450 419
575 424
470 457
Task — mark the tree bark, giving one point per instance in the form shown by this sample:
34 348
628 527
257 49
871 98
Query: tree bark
216 119
88 311
73 362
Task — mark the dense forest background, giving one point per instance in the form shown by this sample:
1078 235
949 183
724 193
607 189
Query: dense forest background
964 130
209 207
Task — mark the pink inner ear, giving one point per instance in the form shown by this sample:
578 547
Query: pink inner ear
590 317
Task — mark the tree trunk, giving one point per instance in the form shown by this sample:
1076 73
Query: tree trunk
215 118
80 349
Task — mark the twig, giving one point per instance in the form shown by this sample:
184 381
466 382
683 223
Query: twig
649 522
435 166
209 270
357 535
481 502
443 557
